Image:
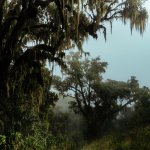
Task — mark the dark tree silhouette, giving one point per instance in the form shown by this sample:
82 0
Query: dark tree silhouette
33 31
96 100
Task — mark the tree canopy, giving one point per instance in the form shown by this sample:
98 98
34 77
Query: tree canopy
34 31
98 101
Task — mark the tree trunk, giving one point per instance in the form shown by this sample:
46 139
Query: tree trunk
6 114
95 127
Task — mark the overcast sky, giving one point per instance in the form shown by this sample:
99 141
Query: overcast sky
127 55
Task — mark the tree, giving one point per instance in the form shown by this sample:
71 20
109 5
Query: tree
140 116
26 117
33 31
98 101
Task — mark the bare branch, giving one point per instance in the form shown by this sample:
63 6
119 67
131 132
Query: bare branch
79 104
109 10
123 106
82 92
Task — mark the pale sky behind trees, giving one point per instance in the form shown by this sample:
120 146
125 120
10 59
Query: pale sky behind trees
127 55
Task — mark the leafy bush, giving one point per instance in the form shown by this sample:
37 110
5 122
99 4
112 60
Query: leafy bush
16 141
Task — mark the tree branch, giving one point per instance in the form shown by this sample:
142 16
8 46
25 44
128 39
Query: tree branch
117 110
109 10
89 94
79 104
34 53
82 93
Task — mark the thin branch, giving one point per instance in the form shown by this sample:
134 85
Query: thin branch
109 10
79 104
89 94
82 93
114 15
123 106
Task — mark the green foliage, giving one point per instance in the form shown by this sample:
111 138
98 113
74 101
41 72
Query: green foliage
137 139
97 100
37 141
133 132
34 31
2 139
105 144
65 126
17 142
142 108
140 138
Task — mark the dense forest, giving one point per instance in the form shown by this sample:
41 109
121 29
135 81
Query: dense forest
36 35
